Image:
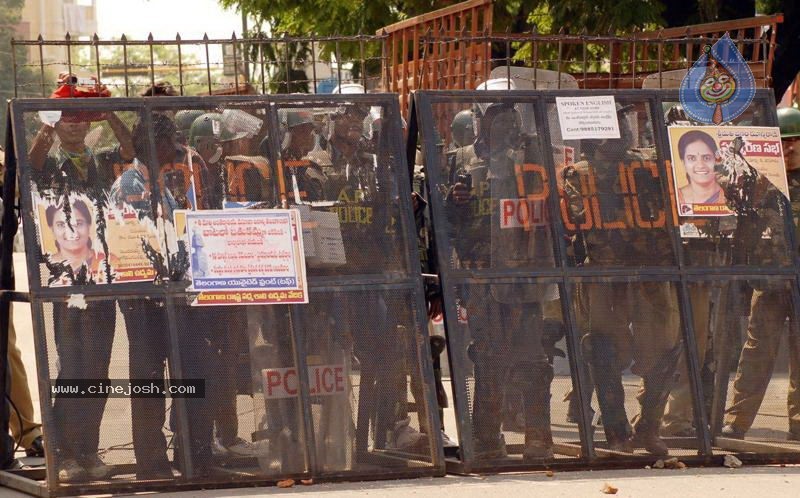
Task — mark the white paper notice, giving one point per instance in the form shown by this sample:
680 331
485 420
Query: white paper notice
587 117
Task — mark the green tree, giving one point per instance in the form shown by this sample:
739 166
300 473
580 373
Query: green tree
350 17
10 13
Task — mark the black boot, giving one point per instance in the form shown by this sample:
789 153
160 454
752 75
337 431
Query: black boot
600 353
488 409
536 398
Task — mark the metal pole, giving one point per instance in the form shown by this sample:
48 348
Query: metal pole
125 63
180 62
261 62
14 64
313 63
208 63
363 63
95 39
286 61
41 67
338 64
235 65
69 64
152 65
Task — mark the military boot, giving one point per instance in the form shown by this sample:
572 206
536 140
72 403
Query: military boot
646 435
489 447
652 399
487 414
604 369
536 399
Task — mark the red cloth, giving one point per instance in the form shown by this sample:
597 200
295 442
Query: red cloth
79 91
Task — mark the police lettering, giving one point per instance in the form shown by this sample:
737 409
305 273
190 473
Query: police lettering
351 211
632 215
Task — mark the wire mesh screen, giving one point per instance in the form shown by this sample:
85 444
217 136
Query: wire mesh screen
287 391
615 208
631 343
122 438
370 414
648 309
510 347
339 164
232 433
725 240
755 347
75 156
489 155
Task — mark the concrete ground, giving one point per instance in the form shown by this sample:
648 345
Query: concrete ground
772 482
749 481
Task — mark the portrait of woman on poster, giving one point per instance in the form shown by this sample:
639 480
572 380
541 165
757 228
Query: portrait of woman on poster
72 239
697 150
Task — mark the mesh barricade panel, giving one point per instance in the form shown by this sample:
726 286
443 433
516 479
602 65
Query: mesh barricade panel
631 340
105 185
614 193
756 349
510 352
122 437
642 327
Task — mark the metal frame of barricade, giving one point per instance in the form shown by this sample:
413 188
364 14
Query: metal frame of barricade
429 464
585 454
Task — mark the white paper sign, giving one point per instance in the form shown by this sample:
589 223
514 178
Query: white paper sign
258 250
587 117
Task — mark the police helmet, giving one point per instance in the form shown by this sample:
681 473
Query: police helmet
789 122
492 84
210 125
463 128
500 126
185 118
297 118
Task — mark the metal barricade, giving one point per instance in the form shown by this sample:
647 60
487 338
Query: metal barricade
588 323
339 388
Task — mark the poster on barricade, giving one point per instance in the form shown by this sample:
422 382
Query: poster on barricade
245 256
84 241
722 170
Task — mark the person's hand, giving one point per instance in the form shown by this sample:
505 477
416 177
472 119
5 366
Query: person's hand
460 193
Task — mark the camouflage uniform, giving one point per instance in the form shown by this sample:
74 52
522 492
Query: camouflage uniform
505 320
625 322
771 305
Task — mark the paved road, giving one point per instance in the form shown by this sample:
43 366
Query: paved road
748 482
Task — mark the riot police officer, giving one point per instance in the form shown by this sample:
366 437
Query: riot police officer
626 322
505 321
771 305
369 325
